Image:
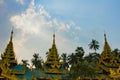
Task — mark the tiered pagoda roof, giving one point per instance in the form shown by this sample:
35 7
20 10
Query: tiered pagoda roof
108 66
9 67
107 60
9 53
53 64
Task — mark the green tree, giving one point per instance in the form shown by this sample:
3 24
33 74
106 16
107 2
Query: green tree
86 70
65 60
92 57
79 64
72 59
37 61
79 52
76 57
116 52
94 45
81 69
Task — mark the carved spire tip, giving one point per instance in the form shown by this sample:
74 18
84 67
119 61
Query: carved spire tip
54 38
105 37
11 35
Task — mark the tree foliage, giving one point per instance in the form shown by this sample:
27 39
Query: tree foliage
94 45
79 52
37 61
92 57
76 63
65 60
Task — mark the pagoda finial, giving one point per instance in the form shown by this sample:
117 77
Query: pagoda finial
105 39
106 46
53 63
54 39
11 36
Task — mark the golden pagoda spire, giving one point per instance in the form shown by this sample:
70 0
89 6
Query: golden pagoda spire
53 50
106 55
53 39
9 53
53 45
106 45
107 60
53 61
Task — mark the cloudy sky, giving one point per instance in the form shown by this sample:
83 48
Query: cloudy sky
75 23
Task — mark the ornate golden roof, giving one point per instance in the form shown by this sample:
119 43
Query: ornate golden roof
107 59
106 50
53 61
9 53
53 54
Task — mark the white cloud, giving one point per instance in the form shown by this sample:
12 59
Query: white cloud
36 19
36 24
30 21
20 1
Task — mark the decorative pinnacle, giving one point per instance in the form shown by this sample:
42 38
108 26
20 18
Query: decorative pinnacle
105 37
11 35
53 38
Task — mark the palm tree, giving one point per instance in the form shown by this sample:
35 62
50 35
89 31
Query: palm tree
94 45
64 58
37 61
76 57
79 53
72 59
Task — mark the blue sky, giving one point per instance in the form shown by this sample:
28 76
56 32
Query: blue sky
75 22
